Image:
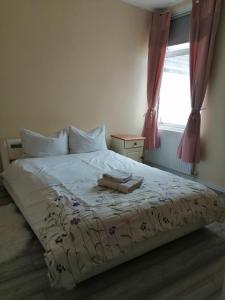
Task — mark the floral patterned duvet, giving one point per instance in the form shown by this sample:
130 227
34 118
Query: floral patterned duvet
82 226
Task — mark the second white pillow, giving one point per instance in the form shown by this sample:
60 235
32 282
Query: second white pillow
83 142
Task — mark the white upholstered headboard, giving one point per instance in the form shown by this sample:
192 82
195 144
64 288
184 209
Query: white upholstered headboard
10 150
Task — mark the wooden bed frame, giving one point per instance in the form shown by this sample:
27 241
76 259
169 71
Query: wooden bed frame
10 149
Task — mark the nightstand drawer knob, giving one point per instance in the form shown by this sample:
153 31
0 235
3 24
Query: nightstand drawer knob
131 144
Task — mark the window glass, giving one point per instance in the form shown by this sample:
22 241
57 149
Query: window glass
174 103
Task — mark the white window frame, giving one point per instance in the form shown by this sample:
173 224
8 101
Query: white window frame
172 126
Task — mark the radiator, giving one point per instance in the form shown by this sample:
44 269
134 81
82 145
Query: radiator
166 155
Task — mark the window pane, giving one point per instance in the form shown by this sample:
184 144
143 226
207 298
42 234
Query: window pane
175 104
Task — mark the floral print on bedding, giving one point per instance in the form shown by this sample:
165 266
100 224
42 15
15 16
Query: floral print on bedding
81 235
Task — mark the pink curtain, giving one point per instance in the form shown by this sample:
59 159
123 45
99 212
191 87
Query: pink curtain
204 23
158 37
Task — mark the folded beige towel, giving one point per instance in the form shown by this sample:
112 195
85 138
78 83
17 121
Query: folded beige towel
125 187
117 176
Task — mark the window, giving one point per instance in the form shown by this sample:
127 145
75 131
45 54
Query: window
174 103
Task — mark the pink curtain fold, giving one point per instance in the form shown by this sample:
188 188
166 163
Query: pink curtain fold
158 37
204 24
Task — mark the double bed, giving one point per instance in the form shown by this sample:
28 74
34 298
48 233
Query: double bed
85 229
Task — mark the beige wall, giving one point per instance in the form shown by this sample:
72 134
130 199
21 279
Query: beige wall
80 62
212 168
83 62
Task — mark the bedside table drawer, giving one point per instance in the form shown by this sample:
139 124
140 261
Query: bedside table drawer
133 144
134 153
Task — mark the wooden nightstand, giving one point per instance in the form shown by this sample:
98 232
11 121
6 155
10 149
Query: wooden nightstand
131 146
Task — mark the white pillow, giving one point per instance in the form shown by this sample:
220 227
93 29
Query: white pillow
37 145
84 142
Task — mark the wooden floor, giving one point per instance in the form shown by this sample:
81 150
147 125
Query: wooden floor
192 267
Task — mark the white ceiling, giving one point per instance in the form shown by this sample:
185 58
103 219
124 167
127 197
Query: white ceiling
153 4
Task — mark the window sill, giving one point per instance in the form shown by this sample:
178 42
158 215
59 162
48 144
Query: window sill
168 127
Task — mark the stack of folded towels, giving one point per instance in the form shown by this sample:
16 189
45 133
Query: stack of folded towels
121 181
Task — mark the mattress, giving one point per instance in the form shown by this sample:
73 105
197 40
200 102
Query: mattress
85 229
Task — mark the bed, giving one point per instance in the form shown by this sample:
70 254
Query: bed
85 229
